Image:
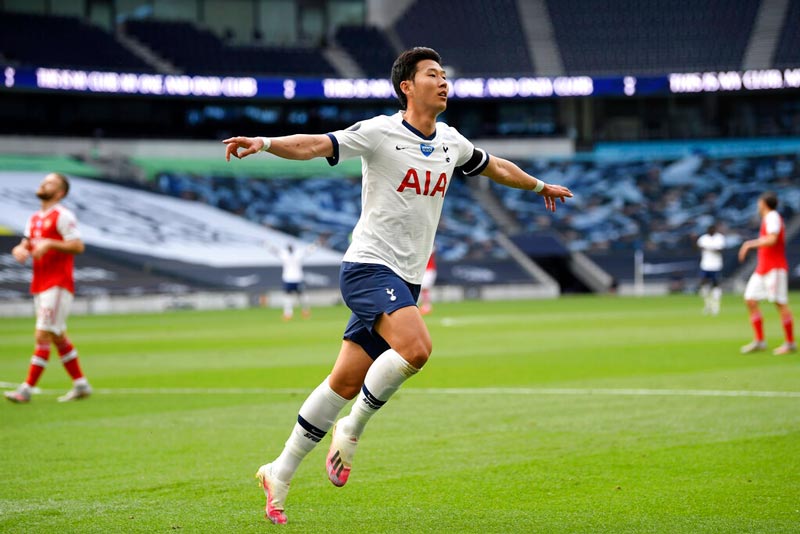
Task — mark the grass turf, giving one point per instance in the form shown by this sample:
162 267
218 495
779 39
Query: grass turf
584 414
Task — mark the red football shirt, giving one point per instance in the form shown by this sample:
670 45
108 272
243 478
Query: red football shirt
773 257
55 268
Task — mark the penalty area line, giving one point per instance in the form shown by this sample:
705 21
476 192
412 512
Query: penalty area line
622 392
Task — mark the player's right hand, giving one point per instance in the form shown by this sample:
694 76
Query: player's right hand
20 253
251 145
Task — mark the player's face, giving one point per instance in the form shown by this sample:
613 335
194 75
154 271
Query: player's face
763 209
429 87
50 188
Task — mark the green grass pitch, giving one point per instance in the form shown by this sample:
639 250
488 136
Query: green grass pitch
583 414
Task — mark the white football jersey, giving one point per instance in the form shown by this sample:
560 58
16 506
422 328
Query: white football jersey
711 246
293 263
405 176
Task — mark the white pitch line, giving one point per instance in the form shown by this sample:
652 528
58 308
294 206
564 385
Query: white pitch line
624 392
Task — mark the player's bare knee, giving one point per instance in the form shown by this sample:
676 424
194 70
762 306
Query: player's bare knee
417 354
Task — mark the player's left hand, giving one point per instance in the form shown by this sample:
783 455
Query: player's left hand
551 192
250 144
743 250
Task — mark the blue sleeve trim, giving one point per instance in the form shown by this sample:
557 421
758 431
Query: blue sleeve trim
333 160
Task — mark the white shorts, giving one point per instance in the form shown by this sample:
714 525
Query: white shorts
428 278
772 286
52 309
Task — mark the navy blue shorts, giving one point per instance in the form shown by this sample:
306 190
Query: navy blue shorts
370 290
710 276
293 287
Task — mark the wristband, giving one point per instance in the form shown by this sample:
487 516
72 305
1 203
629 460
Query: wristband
539 186
267 142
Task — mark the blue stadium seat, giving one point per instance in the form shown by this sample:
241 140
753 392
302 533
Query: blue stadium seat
199 51
311 208
787 53
499 44
60 41
651 36
369 47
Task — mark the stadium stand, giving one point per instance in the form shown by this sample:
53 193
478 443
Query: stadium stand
657 206
787 53
62 41
369 47
199 51
495 25
652 36
312 208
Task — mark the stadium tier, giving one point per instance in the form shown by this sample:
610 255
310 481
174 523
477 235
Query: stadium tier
495 25
328 208
653 36
61 41
787 52
369 47
196 50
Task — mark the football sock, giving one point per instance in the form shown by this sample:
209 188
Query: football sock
288 306
758 325
716 297
788 327
38 364
384 377
69 358
316 417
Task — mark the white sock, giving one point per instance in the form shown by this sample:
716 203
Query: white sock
288 304
384 377
316 417
80 382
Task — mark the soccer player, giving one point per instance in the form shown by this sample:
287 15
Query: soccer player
52 239
408 161
711 245
428 279
292 277
770 279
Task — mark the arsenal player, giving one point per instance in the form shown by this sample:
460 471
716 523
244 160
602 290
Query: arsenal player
52 239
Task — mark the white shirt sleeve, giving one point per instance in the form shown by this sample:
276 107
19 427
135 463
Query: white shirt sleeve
358 140
67 225
472 161
773 222
28 228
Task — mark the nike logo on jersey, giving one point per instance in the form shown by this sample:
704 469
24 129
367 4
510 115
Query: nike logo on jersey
398 147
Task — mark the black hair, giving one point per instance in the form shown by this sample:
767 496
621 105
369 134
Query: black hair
405 67
770 199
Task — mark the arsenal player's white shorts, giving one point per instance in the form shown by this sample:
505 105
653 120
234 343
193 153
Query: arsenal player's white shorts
52 309
772 286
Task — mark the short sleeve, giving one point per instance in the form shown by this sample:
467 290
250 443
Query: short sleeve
67 226
773 222
471 161
358 140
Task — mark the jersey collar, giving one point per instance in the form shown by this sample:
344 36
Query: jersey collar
418 133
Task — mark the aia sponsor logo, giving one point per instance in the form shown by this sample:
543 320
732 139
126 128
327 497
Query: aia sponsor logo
427 188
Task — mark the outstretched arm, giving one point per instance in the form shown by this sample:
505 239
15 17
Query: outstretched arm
509 174
297 147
